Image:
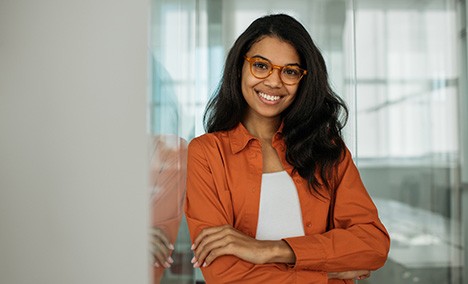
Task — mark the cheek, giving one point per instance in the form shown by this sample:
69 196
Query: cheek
292 90
248 81
244 79
243 85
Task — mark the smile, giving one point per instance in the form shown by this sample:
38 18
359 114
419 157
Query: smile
268 97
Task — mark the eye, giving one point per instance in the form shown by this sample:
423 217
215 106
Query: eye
261 65
292 71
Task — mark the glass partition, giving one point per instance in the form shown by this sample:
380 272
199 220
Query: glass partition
395 64
407 131
172 102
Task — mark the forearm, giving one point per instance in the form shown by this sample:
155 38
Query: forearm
278 252
361 247
231 269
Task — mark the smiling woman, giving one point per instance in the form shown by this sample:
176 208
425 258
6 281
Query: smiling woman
267 95
275 143
394 63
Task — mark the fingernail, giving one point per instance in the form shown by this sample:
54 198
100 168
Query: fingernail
192 247
167 265
204 264
170 260
156 264
196 265
171 246
194 259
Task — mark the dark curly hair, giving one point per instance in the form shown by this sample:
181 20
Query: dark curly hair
312 123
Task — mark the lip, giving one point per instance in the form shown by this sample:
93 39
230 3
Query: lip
267 98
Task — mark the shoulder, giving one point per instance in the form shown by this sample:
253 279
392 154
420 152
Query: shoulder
208 139
347 156
208 142
347 169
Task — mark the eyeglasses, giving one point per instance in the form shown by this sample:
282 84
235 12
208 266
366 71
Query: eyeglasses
262 68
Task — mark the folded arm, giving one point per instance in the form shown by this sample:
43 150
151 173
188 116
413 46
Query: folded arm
226 253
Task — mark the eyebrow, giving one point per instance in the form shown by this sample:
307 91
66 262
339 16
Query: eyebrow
261 57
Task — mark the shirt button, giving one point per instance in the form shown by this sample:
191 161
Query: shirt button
309 224
253 190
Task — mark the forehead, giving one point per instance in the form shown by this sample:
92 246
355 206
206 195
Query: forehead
276 50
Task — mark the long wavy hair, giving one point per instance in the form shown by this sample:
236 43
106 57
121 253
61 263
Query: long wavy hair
312 123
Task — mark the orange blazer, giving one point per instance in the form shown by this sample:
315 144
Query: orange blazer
224 172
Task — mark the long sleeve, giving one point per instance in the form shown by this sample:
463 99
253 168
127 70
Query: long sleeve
208 203
168 183
168 177
359 240
223 187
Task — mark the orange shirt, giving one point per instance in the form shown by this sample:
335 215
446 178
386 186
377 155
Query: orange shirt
168 177
224 172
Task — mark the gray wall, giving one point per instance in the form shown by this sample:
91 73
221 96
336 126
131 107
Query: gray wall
73 143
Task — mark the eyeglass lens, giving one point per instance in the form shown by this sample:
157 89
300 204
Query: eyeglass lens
261 69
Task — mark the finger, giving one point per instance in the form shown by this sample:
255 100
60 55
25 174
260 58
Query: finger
218 238
217 252
158 233
362 274
204 248
365 276
355 274
212 250
205 233
160 254
157 245
232 242
165 264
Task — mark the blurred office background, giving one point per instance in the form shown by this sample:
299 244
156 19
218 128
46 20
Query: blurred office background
78 113
401 67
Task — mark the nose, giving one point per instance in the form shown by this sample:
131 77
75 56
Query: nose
274 80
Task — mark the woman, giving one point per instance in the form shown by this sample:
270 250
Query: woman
272 192
168 177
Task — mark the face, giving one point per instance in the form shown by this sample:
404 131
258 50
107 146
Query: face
269 97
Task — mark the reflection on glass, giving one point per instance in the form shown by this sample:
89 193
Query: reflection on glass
169 242
407 133
168 174
394 62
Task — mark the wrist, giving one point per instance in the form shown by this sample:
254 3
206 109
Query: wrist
279 252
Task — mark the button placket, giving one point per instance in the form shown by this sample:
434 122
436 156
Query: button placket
253 155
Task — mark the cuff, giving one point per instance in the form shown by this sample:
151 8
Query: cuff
309 251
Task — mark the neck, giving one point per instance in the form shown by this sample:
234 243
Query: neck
264 128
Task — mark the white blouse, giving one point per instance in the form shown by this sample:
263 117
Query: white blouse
280 211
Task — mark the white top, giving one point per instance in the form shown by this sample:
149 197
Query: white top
279 214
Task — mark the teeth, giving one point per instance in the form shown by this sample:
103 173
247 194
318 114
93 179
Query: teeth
268 97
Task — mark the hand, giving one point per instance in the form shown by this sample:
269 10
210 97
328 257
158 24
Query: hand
356 274
225 240
161 248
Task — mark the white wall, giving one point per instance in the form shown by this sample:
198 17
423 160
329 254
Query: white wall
73 152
